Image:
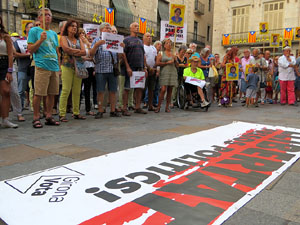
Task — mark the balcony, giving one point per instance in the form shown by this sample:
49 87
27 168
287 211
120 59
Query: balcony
241 39
199 8
196 38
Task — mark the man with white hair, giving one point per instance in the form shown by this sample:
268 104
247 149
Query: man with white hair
287 77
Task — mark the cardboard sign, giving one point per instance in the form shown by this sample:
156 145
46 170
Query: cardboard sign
274 41
92 30
263 28
138 80
112 42
177 15
195 81
168 31
232 71
176 181
23 46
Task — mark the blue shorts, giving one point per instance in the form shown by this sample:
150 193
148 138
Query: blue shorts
106 78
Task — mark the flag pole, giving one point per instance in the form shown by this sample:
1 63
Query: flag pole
43 9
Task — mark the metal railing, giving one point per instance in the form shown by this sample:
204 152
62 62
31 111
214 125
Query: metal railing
196 38
242 38
199 7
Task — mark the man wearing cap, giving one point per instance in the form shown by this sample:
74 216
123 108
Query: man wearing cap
197 73
287 77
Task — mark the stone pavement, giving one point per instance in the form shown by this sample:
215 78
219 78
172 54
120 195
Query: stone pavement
26 150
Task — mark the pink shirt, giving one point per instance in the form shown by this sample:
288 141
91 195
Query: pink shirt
245 62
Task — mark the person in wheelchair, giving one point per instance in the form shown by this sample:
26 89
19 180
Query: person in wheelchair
194 86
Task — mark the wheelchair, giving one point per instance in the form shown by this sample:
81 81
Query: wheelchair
183 102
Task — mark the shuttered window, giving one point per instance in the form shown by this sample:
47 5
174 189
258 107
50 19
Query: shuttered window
64 6
240 22
273 14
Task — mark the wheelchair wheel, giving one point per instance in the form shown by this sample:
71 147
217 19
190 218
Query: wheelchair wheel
181 97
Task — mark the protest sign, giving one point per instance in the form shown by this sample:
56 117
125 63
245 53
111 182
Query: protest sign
177 181
138 80
22 44
232 71
168 31
195 81
23 24
112 42
274 41
92 29
263 28
177 13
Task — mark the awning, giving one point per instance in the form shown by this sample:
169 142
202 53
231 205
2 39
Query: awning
123 14
122 6
163 10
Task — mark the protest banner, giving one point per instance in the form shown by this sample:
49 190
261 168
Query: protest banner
175 181
195 81
112 42
23 24
92 29
138 79
168 31
232 70
22 44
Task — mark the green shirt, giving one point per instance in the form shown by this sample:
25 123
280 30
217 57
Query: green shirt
199 74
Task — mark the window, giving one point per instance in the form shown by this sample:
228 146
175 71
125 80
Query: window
64 6
195 30
240 22
209 5
208 33
273 14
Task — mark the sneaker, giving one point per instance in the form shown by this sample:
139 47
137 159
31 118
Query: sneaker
99 115
204 103
96 106
7 124
114 114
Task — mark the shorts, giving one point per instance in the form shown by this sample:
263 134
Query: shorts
127 78
189 88
3 67
243 85
250 93
297 83
46 82
106 78
150 82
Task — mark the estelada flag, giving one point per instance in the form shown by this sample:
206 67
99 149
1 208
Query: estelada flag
109 16
288 33
143 25
252 37
226 39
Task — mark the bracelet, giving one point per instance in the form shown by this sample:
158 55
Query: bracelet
9 70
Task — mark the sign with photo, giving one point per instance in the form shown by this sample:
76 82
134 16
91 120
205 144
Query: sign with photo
168 31
286 43
138 79
92 29
274 41
177 13
176 181
249 69
297 33
23 24
263 28
232 71
112 42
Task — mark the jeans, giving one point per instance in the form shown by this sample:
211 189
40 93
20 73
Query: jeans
14 96
156 93
22 85
88 83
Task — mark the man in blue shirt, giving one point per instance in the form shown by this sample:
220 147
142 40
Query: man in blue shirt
43 44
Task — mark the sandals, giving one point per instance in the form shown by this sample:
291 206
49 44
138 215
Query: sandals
167 110
63 119
37 123
50 121
21 118
157 110
79 117
90 113
125 113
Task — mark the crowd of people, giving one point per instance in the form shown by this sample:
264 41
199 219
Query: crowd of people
57 71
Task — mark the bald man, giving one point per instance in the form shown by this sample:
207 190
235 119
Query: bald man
134 60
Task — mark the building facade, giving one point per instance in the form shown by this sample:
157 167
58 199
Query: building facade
199 14
238 17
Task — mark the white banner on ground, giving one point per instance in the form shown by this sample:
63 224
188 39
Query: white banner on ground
195 81
205 176
137 80
22 45
92 29
112 42
168 31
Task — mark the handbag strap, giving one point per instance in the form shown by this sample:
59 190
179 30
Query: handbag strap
112 58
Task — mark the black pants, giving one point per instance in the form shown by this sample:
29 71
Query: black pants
88 83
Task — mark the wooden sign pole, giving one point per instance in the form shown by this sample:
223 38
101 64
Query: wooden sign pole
175 36
43 8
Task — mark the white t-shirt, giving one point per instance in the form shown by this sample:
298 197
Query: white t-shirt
151 53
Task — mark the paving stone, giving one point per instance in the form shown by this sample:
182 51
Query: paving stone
19 169
296 167
189 129
70 150
86 154
252 217
54 146
288 184
20 153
